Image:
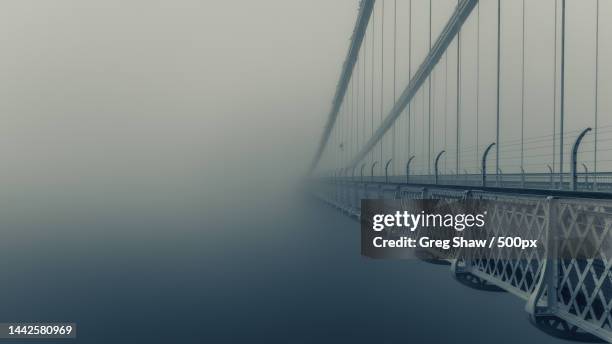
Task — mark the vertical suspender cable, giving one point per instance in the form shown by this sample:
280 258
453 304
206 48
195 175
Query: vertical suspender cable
357 69
523 92
394 79
410 76
497 143
342 145
554 129
365 60
356 106
423 145
429 105
356 99
477 80
382 73
335 161
433 110
372 86
337 146
349 147
562 110
458 97
341 136
347 101
353 115
346 134
351 121
445 101
596 91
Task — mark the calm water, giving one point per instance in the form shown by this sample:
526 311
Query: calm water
285 271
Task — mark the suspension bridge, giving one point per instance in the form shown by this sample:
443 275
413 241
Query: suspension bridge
492 99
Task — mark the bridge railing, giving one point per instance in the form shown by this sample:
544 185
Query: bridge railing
589 181
573 296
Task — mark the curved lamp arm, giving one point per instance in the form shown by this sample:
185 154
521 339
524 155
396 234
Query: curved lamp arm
408 169
372 170
387 170
436 165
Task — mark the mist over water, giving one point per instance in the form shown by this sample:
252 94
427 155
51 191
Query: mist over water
275 268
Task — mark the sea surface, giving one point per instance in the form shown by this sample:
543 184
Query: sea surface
246 270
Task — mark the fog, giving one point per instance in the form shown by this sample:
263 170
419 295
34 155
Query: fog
120 103
150 151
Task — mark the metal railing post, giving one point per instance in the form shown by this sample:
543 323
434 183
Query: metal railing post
484 164
586 174
436 165
574 181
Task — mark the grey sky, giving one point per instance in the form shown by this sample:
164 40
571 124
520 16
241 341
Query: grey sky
116 101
